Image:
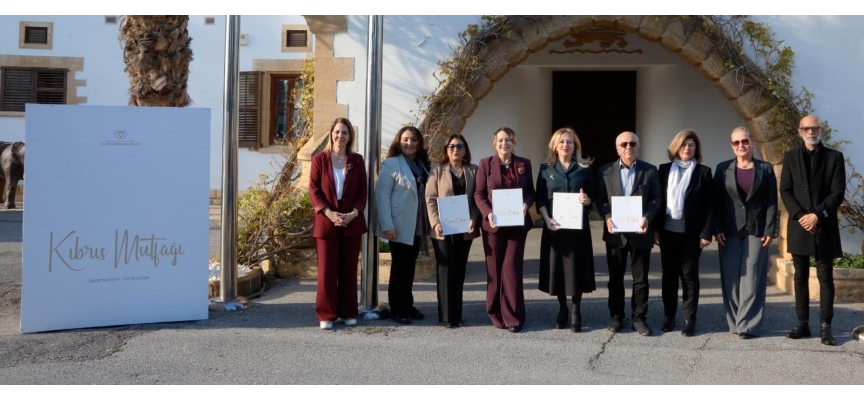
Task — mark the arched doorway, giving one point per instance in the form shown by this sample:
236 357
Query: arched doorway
487 59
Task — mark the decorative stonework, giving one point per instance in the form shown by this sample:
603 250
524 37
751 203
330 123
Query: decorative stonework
328 71
610 41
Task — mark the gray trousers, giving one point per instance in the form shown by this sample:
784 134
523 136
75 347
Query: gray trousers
744 276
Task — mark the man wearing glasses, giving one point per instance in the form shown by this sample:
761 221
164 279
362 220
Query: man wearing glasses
628 176
812 186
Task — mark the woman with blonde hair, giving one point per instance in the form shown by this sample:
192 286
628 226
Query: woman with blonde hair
337 190
566 255
684 226
504 246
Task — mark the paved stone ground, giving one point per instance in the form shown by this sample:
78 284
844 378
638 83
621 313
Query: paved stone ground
277 341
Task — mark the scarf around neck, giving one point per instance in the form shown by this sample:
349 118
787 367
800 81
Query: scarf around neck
679 179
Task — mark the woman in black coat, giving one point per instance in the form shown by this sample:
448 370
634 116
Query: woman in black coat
566 255
684 226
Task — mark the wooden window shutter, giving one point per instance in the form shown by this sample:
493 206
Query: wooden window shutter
296 39
36 35
50 86
31 85
250 109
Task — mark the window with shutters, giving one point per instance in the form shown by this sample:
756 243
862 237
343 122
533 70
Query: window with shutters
35 35
296 39
268 113
19 86
250 109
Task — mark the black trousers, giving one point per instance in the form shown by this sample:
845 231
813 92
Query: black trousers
679 254
617 259
825 274
402 267
451 257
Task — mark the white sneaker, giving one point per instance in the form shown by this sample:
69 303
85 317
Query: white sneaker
350 321
326 325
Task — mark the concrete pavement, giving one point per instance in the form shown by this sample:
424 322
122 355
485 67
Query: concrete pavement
277 341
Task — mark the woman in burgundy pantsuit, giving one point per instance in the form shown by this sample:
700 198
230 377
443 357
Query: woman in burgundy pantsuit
337 190
504 246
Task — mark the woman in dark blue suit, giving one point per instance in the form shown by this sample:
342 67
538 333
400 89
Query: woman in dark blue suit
745 218
504 246
566 255
684 226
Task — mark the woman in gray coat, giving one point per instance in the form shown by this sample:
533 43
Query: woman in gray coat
746 222
402 217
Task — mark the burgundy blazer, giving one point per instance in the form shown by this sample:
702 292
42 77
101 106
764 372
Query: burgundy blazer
322 194
489 178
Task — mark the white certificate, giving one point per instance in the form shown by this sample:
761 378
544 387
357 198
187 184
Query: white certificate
567 210
507 207
454 215
627 213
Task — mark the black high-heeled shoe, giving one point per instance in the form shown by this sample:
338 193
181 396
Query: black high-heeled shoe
561 319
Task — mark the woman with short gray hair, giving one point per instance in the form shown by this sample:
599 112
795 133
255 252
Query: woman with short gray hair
746 222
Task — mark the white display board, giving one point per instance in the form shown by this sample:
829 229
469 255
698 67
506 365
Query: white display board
567 211
627 213
507 207
115 216
454 215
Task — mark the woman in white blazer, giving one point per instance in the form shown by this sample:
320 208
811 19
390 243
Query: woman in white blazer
402 218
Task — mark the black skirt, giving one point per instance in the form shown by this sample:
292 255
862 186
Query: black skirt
566 262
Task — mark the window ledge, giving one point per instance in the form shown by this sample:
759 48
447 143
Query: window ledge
11 113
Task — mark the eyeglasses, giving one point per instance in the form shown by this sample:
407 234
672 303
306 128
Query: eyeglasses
456 147
745 142
631 144
807 129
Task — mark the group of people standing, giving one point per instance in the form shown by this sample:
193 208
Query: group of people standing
684 208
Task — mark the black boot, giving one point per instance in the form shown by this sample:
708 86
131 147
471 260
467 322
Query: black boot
826 335
689 328
561 319
576 316
668 324
799 331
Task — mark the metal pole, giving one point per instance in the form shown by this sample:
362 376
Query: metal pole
370 309
230 124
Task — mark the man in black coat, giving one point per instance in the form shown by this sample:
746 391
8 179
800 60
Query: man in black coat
628 176
812 187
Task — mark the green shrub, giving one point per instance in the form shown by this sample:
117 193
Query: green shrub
848 261
383 246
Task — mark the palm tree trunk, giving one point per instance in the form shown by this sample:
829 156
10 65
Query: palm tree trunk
157 54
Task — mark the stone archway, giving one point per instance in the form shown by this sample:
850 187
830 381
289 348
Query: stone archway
457 100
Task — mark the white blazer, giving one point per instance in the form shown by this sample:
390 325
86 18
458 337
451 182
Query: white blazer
397 200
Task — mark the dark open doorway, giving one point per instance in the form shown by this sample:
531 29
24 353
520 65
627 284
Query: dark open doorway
598 105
